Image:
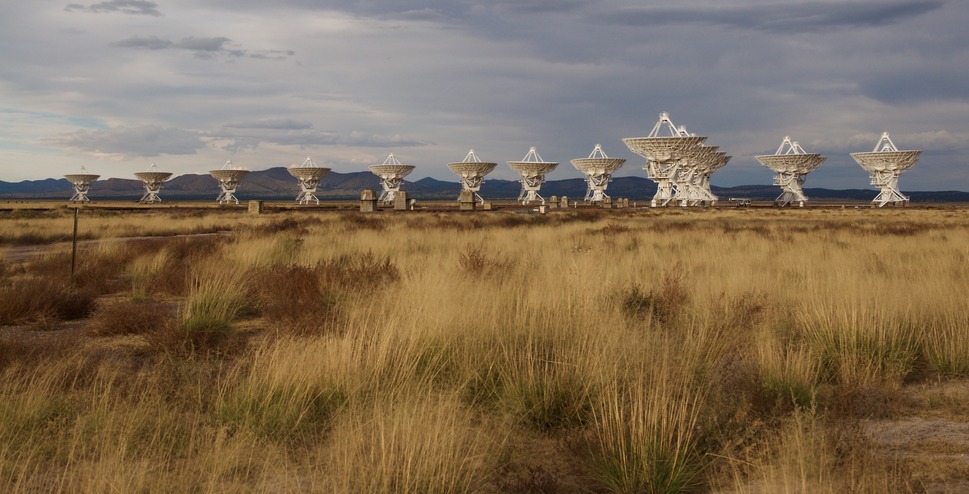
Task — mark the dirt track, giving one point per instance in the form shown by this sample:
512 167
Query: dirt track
22 253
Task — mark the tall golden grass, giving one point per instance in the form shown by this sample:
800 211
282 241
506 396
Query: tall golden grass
662 351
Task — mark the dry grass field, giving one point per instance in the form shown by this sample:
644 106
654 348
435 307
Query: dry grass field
727 350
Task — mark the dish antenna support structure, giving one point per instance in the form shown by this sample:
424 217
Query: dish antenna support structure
885 164
665 155
532 170
472 172
229 178
153 180
598 169
308 174
792 164
82 184
391 173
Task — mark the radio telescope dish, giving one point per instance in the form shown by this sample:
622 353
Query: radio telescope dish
82 184
391 174
472 172
598 169
693 177
664 155
885 164
792 164
229 178
309 175
532 170
153 180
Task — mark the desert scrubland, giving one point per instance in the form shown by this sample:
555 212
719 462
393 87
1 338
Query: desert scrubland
727 350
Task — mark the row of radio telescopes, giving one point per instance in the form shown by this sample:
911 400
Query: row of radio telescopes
679 162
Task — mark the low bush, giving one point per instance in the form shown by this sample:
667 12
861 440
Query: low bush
34 299
293 300
664 303
177 338
352 272
129 317
476 263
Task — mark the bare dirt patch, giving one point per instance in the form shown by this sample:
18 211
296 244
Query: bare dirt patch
931 436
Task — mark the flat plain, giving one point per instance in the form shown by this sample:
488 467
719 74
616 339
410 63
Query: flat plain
633 350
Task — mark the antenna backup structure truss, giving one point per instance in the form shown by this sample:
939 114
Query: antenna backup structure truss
153 180
666 155
472 172
792 164
885 164
391 174
82 184
532 170
598 169
309 175
229 178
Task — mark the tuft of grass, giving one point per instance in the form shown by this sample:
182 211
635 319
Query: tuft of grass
143 271
536 385
787 374
425 443
645 435
859 348
947 349
218 295
292 411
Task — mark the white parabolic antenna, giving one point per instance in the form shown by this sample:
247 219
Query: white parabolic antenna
692 180
82 184
153 180
472 172
792 164
391 173
532 170
665 155
598 169
885 164
309 175
229 177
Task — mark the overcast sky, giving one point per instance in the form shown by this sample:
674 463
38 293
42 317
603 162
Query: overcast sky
189 84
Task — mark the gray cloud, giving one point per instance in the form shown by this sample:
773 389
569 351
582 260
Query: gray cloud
274 124
303 137
781 17
201 47
203 44
911 85
128 142
440 76
148 43
130 7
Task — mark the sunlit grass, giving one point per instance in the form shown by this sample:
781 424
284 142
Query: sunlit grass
661 351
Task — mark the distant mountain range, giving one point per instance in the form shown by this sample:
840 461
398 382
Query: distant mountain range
278 184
